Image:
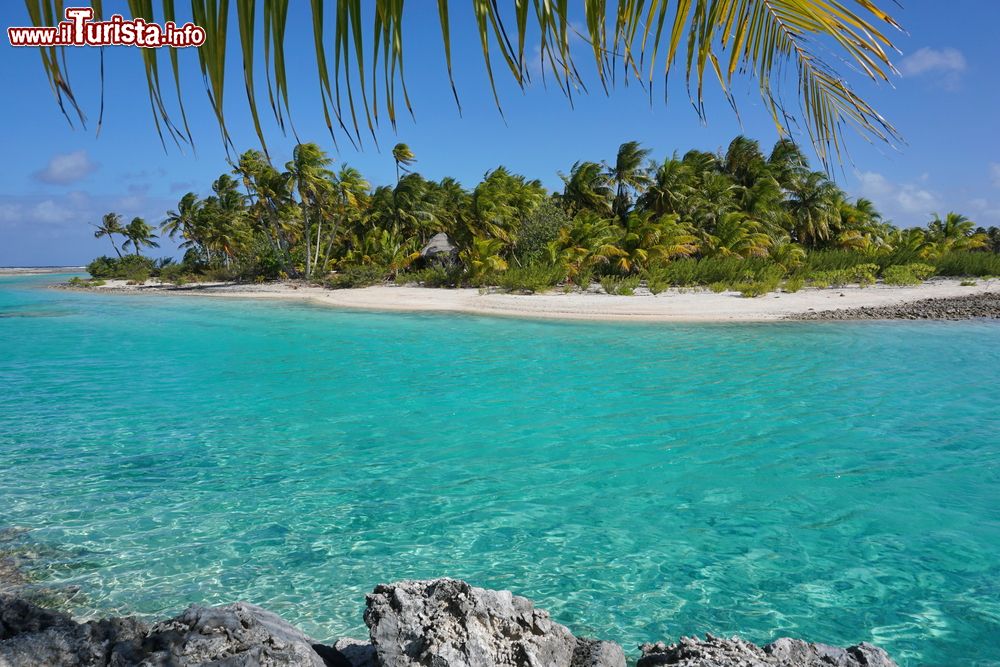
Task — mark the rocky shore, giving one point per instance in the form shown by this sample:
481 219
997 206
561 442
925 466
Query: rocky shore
973 306
434 623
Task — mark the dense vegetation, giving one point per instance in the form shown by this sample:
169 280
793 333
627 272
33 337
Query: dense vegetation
736 220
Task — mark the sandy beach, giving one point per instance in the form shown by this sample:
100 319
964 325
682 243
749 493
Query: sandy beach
674 305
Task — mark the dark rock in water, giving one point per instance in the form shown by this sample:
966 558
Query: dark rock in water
440 251
34 637
357 653
972 306
236 634
712 652
719 652
448 623
796 653
597 653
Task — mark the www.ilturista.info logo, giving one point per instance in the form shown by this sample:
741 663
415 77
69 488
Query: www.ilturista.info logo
79 30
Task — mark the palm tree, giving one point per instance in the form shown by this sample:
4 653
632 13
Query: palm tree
812 202
628 176
350 199
737 235
483 257
307 173
586 189
182 220
955 232
647 240
139 234
744 162
501 202
588 242
110 225
403 157
713 197
271 204
762 40
670 189
786 162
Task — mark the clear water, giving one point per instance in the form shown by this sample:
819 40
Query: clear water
839 482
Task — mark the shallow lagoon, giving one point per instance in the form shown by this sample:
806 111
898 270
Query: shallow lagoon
838 482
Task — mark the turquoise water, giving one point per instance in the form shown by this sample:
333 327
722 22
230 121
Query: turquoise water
839 482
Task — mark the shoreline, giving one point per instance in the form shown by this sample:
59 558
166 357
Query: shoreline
39 270
694 305
410 623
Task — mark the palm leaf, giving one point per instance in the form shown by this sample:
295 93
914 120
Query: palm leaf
644 39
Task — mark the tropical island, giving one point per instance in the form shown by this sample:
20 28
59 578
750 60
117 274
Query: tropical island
740 221
197 481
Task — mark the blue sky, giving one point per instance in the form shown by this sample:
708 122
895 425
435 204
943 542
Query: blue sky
55 179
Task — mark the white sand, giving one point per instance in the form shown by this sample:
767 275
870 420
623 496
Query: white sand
691 305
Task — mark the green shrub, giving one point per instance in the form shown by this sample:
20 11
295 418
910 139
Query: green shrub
584 278
620 286
136 275
128 267
718 288
794 284
923 271
657 280
682 272
751 290
175 273
864 274
900 274
357 276
538 229
836 260
968 283
834 277
77 281
432 276
531 278
103 267
979 264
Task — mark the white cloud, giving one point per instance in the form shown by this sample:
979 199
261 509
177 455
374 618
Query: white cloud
873 185
916 200
11 212
50 212
65 168
905 203
984 210
995 173
927 60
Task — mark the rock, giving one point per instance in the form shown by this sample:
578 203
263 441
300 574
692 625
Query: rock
710 652
31 636
233 635
237 635
972 306
440 250
797 653
448 623
358 653
434 623
597 653
718 652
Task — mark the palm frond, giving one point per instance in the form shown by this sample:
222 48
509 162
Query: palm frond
644 40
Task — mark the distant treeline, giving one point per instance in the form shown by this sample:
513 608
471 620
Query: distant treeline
736 219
